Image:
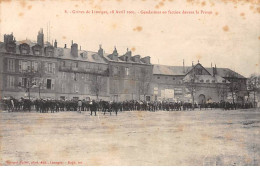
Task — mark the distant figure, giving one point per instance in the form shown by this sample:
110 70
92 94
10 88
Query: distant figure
93 107
79 106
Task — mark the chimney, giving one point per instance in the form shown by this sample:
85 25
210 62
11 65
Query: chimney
9 38
100 51
65 46
128 55
40 38
183 66
192 64
55 44
74 49
214 70
115 54
79 47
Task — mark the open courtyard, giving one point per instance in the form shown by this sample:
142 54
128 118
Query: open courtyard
200 137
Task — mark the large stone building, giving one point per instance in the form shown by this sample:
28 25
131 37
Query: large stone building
184 83
43 70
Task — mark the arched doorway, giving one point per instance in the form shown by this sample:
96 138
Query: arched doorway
202 99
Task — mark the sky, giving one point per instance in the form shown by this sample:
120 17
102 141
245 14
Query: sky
224 32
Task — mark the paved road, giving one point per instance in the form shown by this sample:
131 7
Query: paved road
208 137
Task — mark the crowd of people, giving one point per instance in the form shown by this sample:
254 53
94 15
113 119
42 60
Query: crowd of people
51 105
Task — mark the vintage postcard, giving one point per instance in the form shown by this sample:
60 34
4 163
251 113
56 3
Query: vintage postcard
129 82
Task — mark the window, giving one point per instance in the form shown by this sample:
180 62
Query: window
48 83
213 81
11 65
50 67
158 77
74 64
35 66
207 81
75 76
24 82
75 88
224 81
201 81
199 71
86 77
24 51
49 53
63 88
37 52
87 66
63 63
24 65
127 71
63 75
115 71
86 89
173 78
10 81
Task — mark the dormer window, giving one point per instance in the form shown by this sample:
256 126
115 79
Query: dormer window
49 51
223 81
202 81
24 49
11 47
37 50
207 81
213 81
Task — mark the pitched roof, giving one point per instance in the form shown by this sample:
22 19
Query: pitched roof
225 72
83 55
178 70
64 53
107 57
170 70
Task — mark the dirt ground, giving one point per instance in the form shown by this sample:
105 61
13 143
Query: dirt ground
206 137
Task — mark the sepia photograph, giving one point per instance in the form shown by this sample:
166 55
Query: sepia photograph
129 83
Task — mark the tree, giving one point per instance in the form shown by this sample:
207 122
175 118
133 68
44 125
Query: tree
29 80
96 85
190 84
145 81
253 84
233 85
222 91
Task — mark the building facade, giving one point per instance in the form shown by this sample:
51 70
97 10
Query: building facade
43 70
197 83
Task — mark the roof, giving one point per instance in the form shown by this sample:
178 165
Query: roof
170 70
107 57
63 53
178 70
225 72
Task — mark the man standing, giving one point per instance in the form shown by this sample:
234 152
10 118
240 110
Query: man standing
79 106
93 107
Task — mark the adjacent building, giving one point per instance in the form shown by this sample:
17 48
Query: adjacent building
43 70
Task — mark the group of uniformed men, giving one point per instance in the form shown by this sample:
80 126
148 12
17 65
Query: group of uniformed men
46 105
